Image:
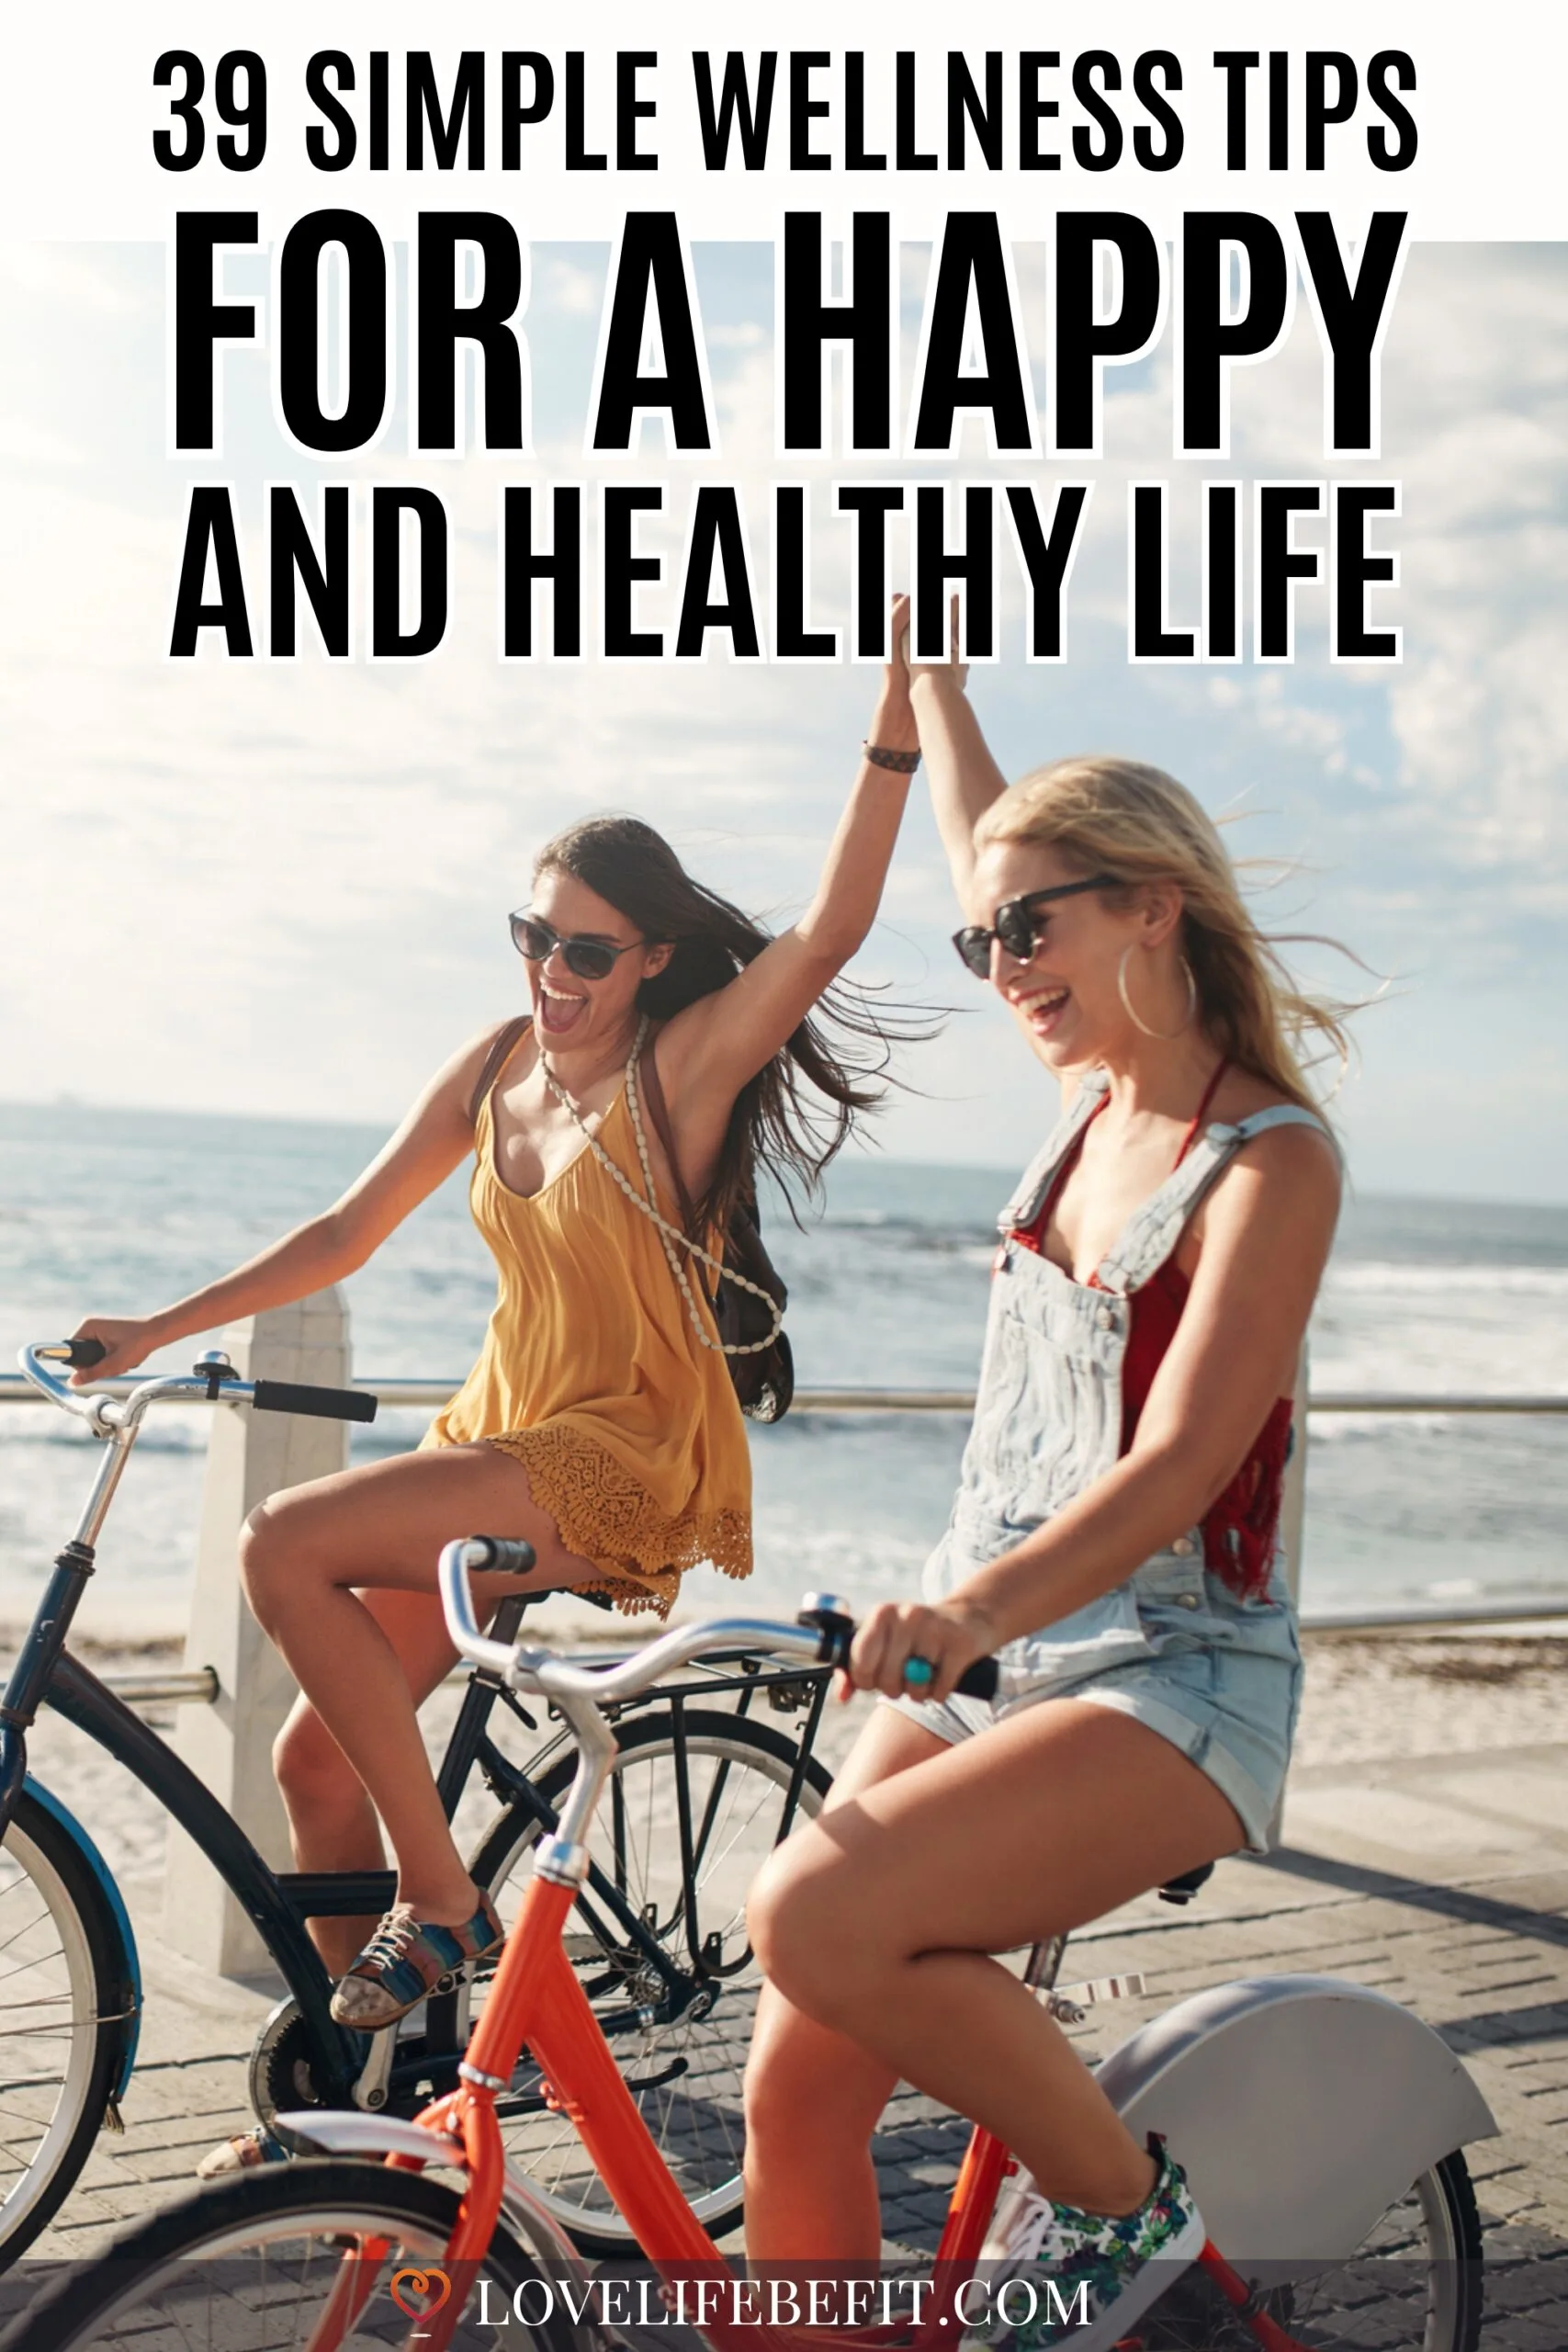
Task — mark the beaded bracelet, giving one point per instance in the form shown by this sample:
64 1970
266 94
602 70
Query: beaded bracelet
901 763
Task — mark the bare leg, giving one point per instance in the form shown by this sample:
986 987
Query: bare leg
1052 1818
305 1550
332 1822
813 2097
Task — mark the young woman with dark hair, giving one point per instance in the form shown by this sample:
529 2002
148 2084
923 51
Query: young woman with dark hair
600 1421
1115 1534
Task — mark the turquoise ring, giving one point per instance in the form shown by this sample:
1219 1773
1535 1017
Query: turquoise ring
919 1671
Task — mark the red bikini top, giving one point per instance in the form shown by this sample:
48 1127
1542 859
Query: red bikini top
1240 1527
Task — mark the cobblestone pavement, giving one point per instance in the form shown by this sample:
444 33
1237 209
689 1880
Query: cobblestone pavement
1441 1879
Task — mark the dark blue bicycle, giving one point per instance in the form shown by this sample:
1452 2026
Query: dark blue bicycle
702 1788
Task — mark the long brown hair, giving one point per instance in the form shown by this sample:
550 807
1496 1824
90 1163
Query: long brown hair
801 1106
1120 817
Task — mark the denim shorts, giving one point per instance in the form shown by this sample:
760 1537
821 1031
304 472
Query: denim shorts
1217 1676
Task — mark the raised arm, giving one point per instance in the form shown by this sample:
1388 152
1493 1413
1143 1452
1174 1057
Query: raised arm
1266 1236
963 777
429 1144
708 1052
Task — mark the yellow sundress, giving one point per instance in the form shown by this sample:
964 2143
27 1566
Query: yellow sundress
591 1376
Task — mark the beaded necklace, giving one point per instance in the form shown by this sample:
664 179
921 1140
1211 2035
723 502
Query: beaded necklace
668 1234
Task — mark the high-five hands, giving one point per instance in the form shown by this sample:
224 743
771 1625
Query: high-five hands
952 673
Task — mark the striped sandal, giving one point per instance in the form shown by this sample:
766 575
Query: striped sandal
407 1959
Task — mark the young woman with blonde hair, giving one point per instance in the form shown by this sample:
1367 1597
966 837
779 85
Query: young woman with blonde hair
1114 1531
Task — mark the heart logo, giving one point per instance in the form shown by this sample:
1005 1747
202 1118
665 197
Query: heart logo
429 2287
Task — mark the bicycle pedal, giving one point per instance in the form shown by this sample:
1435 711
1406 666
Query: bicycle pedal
1067 2003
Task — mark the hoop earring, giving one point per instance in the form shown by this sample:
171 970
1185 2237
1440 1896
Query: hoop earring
1164 1035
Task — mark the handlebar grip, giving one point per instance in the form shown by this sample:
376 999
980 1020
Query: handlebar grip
508 1556
321 1404
979 1680
81 1354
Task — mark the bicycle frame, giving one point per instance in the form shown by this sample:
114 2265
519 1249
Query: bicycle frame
279 1902
536 2000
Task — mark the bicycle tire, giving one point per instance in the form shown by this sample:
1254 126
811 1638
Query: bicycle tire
1416 2283
63 1999
214 2269
698 2130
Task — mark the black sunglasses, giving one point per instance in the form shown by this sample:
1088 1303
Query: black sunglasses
1016 926
591 959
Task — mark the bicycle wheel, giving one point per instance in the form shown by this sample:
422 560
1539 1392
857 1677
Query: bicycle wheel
248 2266
1415 2285
681 2053
62 2020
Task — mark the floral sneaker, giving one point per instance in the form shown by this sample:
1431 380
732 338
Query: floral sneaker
406 1959
1055 2276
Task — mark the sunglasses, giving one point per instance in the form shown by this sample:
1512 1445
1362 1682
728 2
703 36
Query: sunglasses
591 959
1016 926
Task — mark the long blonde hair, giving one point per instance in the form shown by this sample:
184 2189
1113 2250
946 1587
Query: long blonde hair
1119 816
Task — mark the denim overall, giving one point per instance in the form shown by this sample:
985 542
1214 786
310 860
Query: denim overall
1173 1644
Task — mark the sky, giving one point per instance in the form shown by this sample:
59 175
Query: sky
282 889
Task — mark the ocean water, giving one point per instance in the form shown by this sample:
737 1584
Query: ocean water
118 1211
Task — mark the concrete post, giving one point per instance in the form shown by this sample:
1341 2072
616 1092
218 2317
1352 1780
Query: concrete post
228 1745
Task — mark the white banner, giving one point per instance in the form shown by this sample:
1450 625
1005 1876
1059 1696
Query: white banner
111 119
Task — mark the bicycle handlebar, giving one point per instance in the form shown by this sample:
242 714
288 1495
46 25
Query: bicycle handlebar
214 1381
322 1403
823 1640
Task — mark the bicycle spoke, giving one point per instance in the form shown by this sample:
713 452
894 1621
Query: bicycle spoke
29 1967
6 1941
301 2260
57 2045
1414 2284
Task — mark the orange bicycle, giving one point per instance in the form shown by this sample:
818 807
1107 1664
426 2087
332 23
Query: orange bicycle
1321 2125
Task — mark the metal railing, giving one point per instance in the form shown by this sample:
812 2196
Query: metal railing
200 1686
429 1395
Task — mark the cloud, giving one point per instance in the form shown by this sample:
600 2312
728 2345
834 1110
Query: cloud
574 288
78 278
288 881
24 443
1475 403
742 334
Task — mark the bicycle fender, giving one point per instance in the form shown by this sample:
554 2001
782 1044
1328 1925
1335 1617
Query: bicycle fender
342 2133
130 1959
1301 2108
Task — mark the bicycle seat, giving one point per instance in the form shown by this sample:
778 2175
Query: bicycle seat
1182 1889
508 1617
